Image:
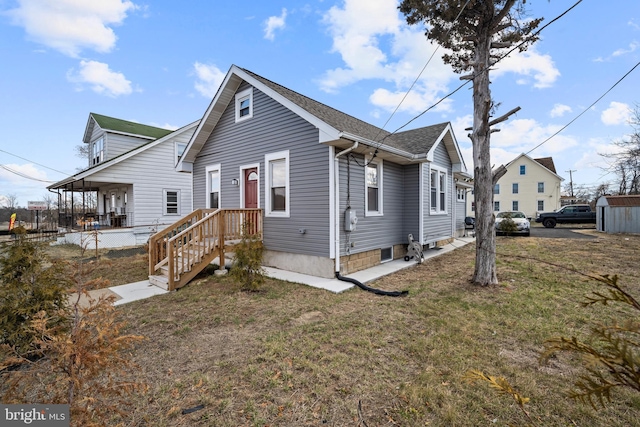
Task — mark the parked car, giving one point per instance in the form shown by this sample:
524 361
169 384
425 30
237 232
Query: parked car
513 222
571 214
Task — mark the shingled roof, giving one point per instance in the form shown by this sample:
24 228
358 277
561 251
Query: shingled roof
416 141
547 162
131 128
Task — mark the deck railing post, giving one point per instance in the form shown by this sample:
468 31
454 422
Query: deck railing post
221 229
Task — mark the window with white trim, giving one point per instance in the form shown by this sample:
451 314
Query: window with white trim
541 205
277 189
171 202
514 188
496 206
179 149
438 190
244 105
460 194
213 186
97 151
514 205
496 189
373 189
541 187
523 169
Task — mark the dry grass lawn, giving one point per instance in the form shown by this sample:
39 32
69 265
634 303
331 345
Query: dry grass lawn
291 355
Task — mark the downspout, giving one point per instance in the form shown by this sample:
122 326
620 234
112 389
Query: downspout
336 171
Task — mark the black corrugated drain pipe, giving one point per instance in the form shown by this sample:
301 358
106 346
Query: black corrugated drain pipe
370 289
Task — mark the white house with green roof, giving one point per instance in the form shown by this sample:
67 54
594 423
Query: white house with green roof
130 187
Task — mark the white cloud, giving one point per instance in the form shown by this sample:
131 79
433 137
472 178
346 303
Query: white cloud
529 64
209 79
69 26
632 48
274 23
559 110
618 113
102 80
383 47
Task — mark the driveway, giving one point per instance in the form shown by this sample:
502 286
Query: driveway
563 233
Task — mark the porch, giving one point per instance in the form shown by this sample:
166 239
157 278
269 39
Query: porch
89 205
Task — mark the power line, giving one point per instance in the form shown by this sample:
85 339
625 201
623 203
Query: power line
485 70
420 74
35 163
586 109
23 175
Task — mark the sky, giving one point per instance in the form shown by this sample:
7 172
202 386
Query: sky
160 63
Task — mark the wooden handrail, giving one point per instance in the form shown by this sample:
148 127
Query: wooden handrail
200 235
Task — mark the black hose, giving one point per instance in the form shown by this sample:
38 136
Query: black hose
369 289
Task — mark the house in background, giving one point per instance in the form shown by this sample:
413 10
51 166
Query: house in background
337 194
130 187
530 186
618 214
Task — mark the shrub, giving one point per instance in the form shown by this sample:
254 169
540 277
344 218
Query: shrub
29 284
247 265
507 225
613 360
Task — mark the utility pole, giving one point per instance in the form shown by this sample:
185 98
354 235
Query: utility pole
571 180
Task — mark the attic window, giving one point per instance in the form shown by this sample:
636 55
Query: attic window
97 151
244 105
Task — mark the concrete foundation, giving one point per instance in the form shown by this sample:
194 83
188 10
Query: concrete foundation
306 264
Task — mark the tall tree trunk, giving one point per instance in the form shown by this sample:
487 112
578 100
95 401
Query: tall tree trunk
485 269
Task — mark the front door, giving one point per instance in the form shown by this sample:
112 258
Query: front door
251 188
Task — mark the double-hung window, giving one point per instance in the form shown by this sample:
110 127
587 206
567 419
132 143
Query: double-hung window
171 202
541 187
244 105
514 205
514 188
541 205
277 192
97 151
523 169
438 190
496 189
213 186
373 193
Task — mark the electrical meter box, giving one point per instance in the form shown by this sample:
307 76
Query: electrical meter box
350 220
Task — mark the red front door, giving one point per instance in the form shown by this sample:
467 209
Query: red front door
251 188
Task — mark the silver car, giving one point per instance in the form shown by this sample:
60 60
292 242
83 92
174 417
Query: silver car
521 224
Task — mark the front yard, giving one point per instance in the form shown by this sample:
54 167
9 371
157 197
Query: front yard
291 355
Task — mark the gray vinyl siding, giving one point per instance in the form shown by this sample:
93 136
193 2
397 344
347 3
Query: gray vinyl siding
438 227
411 217
372 232
272 128
150 172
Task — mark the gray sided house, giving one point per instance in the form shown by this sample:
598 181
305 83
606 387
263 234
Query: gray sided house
130 187
618 214
338 194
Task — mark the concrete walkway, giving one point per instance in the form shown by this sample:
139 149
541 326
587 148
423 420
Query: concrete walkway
143 289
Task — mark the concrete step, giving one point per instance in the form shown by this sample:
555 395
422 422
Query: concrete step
159 281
